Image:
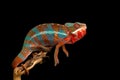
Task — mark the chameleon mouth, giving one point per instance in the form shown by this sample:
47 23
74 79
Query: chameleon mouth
78 34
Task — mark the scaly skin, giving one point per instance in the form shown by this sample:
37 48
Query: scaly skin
44 36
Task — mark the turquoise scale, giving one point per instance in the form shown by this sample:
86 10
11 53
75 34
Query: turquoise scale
62 33
39 36
28 38
21 56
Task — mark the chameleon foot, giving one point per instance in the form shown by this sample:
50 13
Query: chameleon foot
26 71
56 61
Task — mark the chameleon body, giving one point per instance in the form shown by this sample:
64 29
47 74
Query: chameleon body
45 36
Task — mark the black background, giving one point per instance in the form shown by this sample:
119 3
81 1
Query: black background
84 58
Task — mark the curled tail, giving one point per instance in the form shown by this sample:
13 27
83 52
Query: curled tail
22 56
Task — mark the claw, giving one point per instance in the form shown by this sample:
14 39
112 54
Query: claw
65 50
56 62
26 71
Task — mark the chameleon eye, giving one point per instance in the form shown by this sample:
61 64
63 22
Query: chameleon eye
77 25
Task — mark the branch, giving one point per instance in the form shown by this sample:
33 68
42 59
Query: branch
19 71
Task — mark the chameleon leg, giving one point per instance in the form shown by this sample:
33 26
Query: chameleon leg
56 60
62 43
65 51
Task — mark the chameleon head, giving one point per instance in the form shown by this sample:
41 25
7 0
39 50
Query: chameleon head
77 30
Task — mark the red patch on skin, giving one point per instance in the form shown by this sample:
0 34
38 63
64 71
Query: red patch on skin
79 34
73 39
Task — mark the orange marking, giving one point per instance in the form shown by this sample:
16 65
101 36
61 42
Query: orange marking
29 42
56 28
31 33
37 41
44 37
16 62
25 52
